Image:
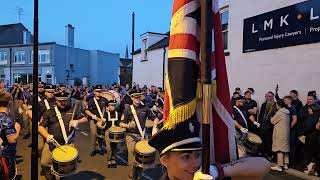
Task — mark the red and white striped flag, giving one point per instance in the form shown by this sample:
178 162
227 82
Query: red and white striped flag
182 74
223 129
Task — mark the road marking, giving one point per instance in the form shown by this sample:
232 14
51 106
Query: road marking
84 133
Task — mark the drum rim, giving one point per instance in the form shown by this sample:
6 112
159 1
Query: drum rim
123 130
136 150
252 135
55 160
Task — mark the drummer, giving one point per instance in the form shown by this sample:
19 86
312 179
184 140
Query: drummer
96 106
240 119
135 132
112 119
57 125
180 152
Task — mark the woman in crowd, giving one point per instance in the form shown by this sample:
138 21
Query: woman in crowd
281 136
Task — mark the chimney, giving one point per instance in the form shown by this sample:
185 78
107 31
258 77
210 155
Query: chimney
26 37
69 35
127 53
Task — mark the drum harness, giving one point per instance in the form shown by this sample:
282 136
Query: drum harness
98 107
112 119
243 136
47 104
137 122
63 129
245 121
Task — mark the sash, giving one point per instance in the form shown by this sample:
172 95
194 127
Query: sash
98 107
245 121
137 121
112 119
63 129
47 104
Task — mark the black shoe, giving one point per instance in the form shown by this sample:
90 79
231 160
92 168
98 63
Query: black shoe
26 136
93 153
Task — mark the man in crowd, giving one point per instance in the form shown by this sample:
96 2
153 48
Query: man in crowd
9 133
251 108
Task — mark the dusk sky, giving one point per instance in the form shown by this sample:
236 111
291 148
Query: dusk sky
99 24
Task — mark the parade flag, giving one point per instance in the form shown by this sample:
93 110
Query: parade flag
182 67
223 128
182 87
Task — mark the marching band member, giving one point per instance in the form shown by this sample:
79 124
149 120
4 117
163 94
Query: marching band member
95 108
9 133
112 119
133 119
180 152
57 124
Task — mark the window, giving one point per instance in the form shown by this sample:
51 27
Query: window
144 49
3 57
43 56
224 13
19 57
49 79
2 77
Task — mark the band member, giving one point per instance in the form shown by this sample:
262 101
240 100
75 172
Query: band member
159 106
240 119
133 119
41 86
9 132
95 110
58 125
180 152
112 119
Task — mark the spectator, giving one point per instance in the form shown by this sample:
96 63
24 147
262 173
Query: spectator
295 100
267 111
250 106
310 116
280 136
2 86
253 96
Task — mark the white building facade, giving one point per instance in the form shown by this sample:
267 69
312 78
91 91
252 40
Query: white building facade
266 43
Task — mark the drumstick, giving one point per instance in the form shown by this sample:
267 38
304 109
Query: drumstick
103 122
58 145
72 116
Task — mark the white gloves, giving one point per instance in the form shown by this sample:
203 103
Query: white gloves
103 119
256 123
50 139
244 130
74 123
94 117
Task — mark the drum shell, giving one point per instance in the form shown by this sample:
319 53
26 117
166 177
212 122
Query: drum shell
101 131
117 137
144 159
63 168
251 146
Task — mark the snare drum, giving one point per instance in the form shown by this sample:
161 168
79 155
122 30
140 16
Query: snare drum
101 131
117 134
64 160
149 126
252 142
144 154
112 95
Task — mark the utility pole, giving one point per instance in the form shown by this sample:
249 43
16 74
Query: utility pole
19 12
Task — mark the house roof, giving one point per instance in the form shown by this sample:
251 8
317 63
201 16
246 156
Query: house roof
160 44
6 27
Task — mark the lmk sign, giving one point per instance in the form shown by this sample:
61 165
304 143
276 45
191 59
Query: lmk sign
268 24
288 26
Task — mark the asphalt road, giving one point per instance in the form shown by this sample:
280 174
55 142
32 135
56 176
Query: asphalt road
95 168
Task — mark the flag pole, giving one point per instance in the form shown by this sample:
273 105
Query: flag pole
35 105
205 51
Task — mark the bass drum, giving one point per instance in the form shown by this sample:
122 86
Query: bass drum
112 95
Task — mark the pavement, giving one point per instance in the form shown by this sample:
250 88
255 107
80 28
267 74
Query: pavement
95 168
